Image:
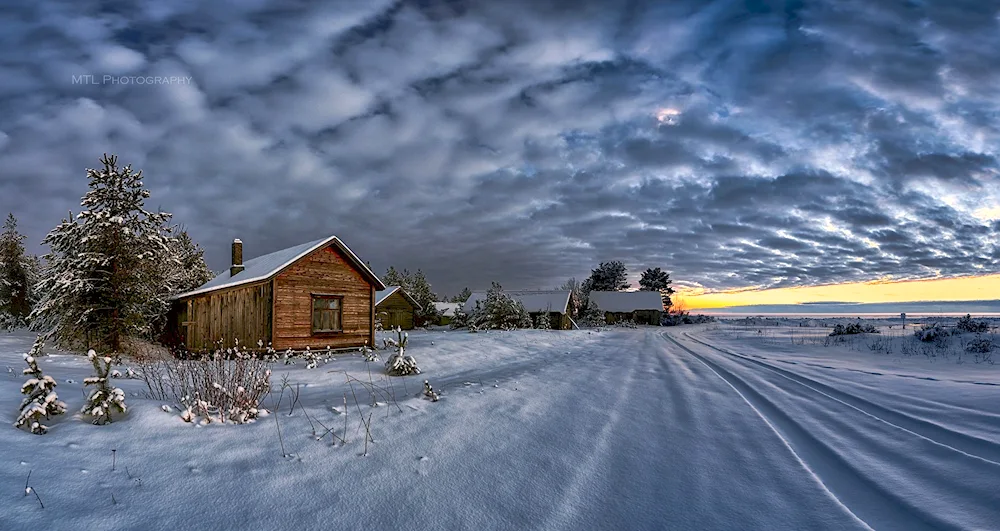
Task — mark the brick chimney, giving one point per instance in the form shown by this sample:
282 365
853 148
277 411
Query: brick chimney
237 258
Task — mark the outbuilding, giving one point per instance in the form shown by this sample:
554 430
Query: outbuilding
316 294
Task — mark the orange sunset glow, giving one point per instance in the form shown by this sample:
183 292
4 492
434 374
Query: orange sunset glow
984 287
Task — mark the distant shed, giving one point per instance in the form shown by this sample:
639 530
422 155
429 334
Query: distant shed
447 311
643 307
316 294
536 302
394 307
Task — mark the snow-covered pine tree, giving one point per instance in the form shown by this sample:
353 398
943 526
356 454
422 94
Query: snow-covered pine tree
182 269
400 364
420 290
103 399
499 312
462 296
543 321
18 274
592 315
103 264
459 319
41 402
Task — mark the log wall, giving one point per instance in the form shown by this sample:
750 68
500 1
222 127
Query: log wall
324 272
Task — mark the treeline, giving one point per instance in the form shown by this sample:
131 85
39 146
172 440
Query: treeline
109 272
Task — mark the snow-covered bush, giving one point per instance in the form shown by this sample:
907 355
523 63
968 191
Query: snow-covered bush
369 353
592 316
459 318
854 328
41 401
228 385
981 345
932 333
429 392
543 321
499 312
968 324
400 364
627 323
103 399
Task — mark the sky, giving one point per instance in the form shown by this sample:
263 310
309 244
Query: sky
745 146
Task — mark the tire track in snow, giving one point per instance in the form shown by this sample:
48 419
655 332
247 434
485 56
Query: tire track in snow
858 494
962 443
562 514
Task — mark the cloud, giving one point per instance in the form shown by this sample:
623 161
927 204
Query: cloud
525 142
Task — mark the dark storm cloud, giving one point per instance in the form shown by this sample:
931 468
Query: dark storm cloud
734 143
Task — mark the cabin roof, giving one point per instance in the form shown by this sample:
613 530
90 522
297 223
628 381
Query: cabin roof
447 309
389 290
268 265
627 301
534 301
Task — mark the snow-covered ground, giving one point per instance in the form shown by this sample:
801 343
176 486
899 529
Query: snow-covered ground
684 428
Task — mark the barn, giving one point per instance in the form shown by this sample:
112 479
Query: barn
316 294
536 302
394 307
642 307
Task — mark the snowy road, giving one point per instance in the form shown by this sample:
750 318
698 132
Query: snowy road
890 468
620 429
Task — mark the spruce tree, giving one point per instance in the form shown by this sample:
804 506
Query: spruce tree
104 399
41 402
105 263
543 321
18 274
657 280
499 312
462 296
609 276
420 290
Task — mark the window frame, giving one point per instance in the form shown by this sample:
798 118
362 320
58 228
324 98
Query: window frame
313 297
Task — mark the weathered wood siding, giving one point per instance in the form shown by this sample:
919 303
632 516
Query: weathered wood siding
395 311
242 313
325 272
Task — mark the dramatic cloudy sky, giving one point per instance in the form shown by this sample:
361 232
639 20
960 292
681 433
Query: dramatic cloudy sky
735 143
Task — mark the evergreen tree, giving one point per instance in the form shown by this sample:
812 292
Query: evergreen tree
543 321
103 399
183 269
420 290
609 276
462 296
104 264
657 280
395 278
499 312
18 274
591 315
459 318
41 401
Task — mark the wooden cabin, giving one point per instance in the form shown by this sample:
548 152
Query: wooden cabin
536 302
642 307
394 307
315 295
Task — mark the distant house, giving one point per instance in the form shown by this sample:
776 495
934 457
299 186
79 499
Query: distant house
447 311
316 294
394 307
536 302
643 307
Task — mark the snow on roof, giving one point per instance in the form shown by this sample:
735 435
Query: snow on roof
389 290
627 301
533 300
447 309
264 267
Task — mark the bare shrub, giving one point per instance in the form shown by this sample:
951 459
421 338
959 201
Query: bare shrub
227 385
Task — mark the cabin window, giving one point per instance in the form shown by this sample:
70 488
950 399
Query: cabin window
327 313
